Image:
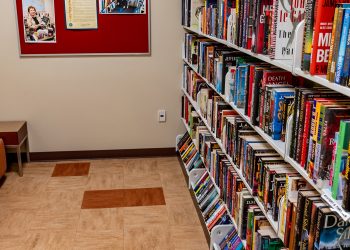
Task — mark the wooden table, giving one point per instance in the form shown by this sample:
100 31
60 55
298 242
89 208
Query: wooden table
15 137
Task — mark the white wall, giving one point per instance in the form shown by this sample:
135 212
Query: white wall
75 104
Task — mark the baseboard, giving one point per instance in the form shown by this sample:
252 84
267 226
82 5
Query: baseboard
95 154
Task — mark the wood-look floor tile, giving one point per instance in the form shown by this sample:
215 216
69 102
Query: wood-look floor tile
71 169
182 213
67 183
53 240
150 238
49 220
62 200
141 173
152 215
8 183
16 222
181 193
38 169
107 220
28 185
188 238
20 202
105 181
107 166
123 198
98 241
12 242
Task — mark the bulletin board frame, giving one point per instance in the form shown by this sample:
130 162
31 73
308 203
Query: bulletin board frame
20 36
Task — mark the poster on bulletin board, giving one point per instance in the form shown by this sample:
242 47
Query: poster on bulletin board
83 27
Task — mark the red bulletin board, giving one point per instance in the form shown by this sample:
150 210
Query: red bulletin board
116 34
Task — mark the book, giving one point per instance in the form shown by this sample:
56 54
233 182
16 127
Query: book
308 32
329 229
284 22
342 46
334 48
339 177
322 36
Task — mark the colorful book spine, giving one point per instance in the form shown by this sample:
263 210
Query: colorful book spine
278 98
342 46
322 37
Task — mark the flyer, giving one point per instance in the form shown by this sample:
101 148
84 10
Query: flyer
81 14
39 21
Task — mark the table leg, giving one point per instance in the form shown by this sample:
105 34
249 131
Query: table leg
19 159
27 149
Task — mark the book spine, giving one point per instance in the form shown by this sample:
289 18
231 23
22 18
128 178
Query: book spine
305 225
308 31
247 89
346 196
277 117
250 24
318 144
272 44
244 27
241 16
238 10
322 37
342 47
300 126
250 90
346 67
299 220
331 48
294 123
266 114
333 62
306 133
342 143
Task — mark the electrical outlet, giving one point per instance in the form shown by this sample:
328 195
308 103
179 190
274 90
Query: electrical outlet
161 115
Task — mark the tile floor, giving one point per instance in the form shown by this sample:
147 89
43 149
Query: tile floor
38 211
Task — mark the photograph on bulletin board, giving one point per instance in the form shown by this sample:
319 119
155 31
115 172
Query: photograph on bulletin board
122 6
39 21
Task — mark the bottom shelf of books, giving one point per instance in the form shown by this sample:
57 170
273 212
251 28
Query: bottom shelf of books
245 189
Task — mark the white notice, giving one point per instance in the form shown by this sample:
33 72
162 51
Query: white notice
81 14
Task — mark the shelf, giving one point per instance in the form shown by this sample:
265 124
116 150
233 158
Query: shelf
278 145
216 187
325 193
273 223
211 177
288 65
321 80
283 64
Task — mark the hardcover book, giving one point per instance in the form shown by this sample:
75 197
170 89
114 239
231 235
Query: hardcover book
322 36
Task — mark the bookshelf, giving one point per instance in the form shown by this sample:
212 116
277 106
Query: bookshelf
283 64
218 232
208 62
280 146
267 215
292 66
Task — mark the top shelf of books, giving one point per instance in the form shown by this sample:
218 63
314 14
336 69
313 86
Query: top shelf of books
287 42
284 64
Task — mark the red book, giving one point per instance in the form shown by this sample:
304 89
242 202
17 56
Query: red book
262 7
306 134
322 36
250 88
271 77
224 29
